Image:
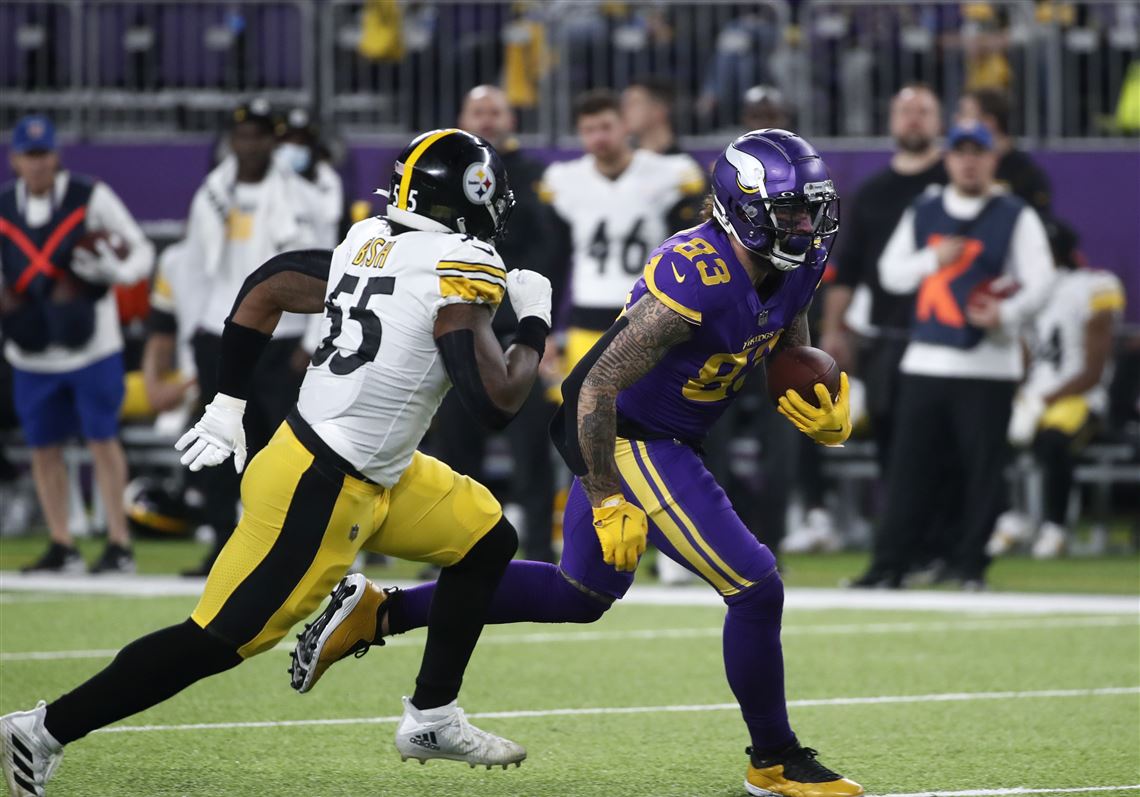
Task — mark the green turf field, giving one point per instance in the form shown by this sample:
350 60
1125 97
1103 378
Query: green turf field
982 702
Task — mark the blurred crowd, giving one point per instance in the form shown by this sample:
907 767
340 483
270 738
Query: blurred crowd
404 64
948 377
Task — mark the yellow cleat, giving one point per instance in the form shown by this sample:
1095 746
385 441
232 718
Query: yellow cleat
794 772
349 625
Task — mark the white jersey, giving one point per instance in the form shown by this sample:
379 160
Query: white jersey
377 377
615 224
1058 340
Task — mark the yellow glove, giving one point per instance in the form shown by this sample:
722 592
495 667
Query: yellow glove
621 528
828 424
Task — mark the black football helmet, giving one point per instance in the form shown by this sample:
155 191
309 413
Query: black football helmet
156 509
451 181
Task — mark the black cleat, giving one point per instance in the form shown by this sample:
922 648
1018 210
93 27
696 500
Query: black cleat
114 559
58 558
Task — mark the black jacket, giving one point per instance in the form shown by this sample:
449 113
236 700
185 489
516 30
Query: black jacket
528 242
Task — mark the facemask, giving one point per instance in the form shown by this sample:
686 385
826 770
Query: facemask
293 156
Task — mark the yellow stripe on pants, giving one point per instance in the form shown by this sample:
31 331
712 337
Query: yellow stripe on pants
643 491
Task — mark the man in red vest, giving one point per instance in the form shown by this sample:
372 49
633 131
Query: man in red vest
61 329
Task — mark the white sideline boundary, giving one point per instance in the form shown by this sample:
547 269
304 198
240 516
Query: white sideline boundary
705 632
795 597
946 697
1011 791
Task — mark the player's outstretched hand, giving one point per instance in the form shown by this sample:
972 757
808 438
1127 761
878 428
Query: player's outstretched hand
217 435
828 424
621 528
530 294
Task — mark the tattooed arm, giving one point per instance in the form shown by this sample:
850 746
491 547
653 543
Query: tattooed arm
651 330
797 333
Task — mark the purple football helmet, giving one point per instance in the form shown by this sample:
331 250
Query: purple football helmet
772 192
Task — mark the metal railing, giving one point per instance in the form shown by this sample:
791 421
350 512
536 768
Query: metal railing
41 61
156 67
860 53
1063 64
386 68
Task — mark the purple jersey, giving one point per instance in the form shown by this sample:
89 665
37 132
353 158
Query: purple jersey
696 274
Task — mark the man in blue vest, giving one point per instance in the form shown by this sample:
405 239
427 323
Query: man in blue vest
60 323
956 246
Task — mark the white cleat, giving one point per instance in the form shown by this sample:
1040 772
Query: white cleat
1051 542
1011 530
31 755
444 732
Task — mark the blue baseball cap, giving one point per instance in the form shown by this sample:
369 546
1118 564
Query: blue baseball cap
974 132
32 134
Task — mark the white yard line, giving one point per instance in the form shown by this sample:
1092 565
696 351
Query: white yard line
796 597
1016 790
790 631
953 697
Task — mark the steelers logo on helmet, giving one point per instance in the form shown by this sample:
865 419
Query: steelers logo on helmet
479 184
451 181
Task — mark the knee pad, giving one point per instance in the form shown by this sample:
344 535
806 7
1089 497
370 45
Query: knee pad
586 605
494 549
763 600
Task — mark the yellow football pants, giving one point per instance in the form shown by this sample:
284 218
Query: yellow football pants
304 521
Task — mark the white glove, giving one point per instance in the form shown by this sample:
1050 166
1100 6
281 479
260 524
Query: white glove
101 267
1028 408
217 435
530 294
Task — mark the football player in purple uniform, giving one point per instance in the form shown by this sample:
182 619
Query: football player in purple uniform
713 302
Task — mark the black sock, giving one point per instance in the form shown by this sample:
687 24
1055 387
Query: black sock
146 672
458 611
1054 451
385 610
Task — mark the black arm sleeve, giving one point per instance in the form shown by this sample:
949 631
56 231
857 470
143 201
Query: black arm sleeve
241 349
458 351
161 322
242 346
313 263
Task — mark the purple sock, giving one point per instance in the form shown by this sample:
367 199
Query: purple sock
534 592
754 663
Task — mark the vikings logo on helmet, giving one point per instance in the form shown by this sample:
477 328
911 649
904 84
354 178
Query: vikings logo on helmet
749 170
773 194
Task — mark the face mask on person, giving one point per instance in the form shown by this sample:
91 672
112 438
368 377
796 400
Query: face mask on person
293 156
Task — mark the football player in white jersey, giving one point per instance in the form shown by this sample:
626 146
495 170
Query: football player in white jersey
618 203
1065 392
408 301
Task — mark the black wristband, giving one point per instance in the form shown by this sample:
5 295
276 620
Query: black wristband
532 331
241 349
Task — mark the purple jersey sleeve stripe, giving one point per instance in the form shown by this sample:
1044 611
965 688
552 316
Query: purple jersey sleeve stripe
696 543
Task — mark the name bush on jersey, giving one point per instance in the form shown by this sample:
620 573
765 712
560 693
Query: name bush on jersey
376 378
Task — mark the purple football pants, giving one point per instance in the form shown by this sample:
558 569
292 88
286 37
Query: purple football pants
692 522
